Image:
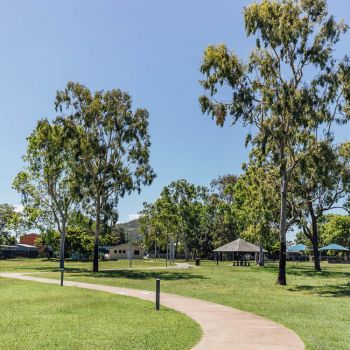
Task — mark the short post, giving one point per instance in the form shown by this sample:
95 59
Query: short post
157 293
62 272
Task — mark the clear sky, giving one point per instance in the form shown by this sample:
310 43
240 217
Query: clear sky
152 49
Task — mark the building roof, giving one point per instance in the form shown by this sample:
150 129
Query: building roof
297 248
239 246
334 247
26 245
29 238
124 245
19 247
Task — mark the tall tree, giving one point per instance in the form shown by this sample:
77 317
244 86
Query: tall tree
256 204
47 184
335 228
158 223
9 220
112 146
291 85
321 183
177 214
184 199
221 220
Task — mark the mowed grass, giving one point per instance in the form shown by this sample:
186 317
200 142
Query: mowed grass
315 305
35 265
38 316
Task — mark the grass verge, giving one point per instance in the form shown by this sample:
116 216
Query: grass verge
38 316
315 305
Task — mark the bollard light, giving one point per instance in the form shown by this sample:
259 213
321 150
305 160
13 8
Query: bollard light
157 294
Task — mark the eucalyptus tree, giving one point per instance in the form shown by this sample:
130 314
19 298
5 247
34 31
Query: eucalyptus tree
158 223
290 85
112 148
185 199
9 221
177 214
321 183
47 184
335 228
221 220
256 204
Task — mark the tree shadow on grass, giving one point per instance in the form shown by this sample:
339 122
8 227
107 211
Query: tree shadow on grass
54 269
309 271
323 273
143 275
325 291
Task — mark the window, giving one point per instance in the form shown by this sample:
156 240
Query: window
137 252
123 251
120 251
115 251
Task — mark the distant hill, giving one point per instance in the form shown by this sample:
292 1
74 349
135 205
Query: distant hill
132 228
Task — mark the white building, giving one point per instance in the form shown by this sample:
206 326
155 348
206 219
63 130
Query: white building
126 251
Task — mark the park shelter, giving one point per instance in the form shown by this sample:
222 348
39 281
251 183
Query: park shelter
295 252
125 251
238 248
335 247
297 248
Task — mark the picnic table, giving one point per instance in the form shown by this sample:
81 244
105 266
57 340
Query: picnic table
241 263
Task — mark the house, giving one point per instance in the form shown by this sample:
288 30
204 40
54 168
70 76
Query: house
28 239
125 251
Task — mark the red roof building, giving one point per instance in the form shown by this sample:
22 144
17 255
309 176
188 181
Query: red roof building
28 239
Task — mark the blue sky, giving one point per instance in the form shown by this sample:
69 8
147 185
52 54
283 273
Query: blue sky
152 49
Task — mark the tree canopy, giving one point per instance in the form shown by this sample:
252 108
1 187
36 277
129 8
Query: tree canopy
47 184
290 85
111 149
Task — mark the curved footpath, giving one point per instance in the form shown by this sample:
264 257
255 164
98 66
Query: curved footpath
223 327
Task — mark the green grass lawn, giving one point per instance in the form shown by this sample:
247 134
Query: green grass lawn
38 316
28 265
315 305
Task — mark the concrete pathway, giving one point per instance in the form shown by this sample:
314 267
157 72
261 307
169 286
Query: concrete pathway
223 327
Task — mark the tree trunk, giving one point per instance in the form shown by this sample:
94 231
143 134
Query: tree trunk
261 254
97 234
177 243
166 253
62 243
314 241
283 218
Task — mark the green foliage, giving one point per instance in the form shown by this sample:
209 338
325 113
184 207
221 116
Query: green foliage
111 149
220 219
196 218
47 183
336 229
9 221
256 204
321 183
322 179
50 238
176 214
290 86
